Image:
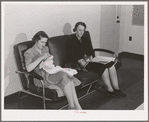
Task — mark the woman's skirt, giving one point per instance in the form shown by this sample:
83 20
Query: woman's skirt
60 80
98 67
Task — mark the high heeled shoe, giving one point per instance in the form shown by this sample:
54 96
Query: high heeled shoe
119 92
113 94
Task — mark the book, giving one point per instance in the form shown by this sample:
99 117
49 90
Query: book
103 59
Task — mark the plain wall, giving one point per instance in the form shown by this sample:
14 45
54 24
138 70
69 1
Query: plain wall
22 21
127 29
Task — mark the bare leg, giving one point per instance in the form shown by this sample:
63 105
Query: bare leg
106 80
110 77
114 81
76 102
113 77
68 93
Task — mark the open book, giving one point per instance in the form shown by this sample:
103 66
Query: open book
103 59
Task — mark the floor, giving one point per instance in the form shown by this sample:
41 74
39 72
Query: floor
131 81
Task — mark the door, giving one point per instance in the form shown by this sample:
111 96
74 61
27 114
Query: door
110 28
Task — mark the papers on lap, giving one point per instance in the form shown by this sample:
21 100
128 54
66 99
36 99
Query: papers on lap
103 59
49 67
58 68
70 71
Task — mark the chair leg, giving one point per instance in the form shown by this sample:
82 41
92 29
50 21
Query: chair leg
87 93
20 95
80 97
89 89
43 91
44 102
63 107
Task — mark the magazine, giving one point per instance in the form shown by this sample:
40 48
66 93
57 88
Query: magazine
103 59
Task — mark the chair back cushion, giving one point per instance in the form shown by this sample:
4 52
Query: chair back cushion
57 47
19 50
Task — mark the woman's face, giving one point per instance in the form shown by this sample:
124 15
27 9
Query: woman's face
41 43
80 31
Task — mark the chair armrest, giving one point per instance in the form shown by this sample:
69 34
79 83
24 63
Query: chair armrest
105 50
35 75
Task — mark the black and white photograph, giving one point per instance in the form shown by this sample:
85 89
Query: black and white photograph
74 61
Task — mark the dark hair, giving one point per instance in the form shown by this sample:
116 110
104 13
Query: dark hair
39 35
77 24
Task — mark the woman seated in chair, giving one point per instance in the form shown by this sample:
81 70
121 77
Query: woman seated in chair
80 52
61 81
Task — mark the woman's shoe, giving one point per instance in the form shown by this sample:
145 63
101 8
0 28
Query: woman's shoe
113 94
119 92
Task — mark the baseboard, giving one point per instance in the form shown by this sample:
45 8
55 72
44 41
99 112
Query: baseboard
131 55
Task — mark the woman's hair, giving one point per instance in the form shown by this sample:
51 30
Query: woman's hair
77 24
39 35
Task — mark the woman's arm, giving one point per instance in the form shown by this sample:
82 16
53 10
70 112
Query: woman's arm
31 66
90 57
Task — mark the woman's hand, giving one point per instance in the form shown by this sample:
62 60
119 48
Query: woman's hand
91 58
82 62
32 65
45 56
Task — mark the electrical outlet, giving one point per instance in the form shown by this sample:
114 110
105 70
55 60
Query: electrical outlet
130 38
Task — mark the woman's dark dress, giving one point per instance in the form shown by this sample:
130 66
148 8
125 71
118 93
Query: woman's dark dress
76 50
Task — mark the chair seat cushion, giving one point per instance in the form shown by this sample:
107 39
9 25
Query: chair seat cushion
87 77
49 93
